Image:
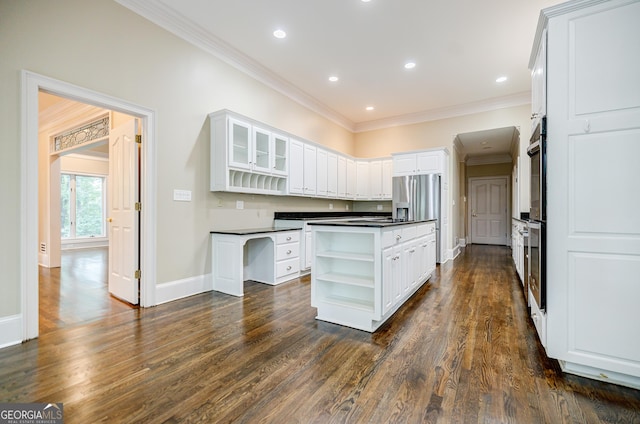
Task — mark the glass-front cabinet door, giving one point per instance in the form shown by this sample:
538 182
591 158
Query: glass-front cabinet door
280 149
261 150
239 144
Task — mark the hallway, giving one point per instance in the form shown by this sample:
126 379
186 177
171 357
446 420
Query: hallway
461 350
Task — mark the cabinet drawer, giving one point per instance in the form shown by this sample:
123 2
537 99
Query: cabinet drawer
289 266
288 250
391 237
288 237
409 232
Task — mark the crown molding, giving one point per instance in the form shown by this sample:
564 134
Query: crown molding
174 22
487 105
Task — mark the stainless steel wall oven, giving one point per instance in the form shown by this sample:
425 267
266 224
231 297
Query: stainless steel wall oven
537 151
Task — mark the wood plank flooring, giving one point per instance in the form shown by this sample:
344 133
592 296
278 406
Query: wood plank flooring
462 350
76 292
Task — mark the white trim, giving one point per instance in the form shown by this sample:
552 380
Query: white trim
518 99
10 330
600 374
174 290
31 84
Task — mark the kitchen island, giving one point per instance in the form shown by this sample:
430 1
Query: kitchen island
364 270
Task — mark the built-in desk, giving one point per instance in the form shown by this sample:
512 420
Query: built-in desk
266 255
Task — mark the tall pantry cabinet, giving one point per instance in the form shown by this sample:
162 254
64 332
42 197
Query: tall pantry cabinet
593 197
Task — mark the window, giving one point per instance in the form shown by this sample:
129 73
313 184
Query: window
82 206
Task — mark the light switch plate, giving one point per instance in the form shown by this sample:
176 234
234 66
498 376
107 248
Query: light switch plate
239 204
182 195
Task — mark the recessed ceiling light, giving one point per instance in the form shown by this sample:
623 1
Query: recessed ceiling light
366 1
369 108
483 143
279 33
410 65
333 78
501 79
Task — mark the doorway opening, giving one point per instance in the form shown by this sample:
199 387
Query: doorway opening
75 199
32 85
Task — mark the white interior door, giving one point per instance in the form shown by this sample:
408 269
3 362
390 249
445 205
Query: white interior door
489 210
123 218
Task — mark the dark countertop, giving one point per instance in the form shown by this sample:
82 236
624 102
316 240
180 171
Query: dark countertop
364 222
305 216
248 231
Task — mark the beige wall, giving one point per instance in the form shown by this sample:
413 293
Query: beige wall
84 43
441 133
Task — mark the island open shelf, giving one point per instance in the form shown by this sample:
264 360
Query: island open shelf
363 273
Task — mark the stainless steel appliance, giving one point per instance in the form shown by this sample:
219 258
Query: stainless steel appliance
417 198
537 151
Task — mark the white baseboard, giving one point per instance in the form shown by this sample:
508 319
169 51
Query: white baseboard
174 290
10 330
462 242
601 375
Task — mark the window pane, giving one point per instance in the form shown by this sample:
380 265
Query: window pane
89 201
65 206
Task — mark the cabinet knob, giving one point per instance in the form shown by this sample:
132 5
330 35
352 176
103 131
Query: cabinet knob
398 237
587 125
288 252
288 238
289 268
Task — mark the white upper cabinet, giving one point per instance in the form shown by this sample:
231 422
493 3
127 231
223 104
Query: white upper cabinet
296 168
363 180
261 157
310 168
240 151
332 175
342 177
419 163
246 156
539 81
280 162
322 180
381 176
351 178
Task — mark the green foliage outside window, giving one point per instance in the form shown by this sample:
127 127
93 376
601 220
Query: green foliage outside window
82 206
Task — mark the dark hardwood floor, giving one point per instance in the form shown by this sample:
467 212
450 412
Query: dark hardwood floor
76 292
462 350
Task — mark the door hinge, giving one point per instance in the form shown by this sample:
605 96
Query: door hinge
138 139
138 206
138 274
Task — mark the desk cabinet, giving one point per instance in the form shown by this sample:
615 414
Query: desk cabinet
269 257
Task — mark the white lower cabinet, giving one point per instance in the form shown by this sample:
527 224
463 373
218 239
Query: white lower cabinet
362 275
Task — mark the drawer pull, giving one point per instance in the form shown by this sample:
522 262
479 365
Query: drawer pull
288 252
289 268
289 238
398 237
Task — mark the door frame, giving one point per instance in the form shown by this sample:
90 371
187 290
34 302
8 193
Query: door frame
470 202
31 85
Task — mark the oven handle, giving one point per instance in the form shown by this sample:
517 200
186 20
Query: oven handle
534 148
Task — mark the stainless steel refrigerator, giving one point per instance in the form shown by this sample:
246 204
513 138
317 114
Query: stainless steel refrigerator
417 198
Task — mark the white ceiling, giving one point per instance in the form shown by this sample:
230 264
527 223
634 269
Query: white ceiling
460 47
